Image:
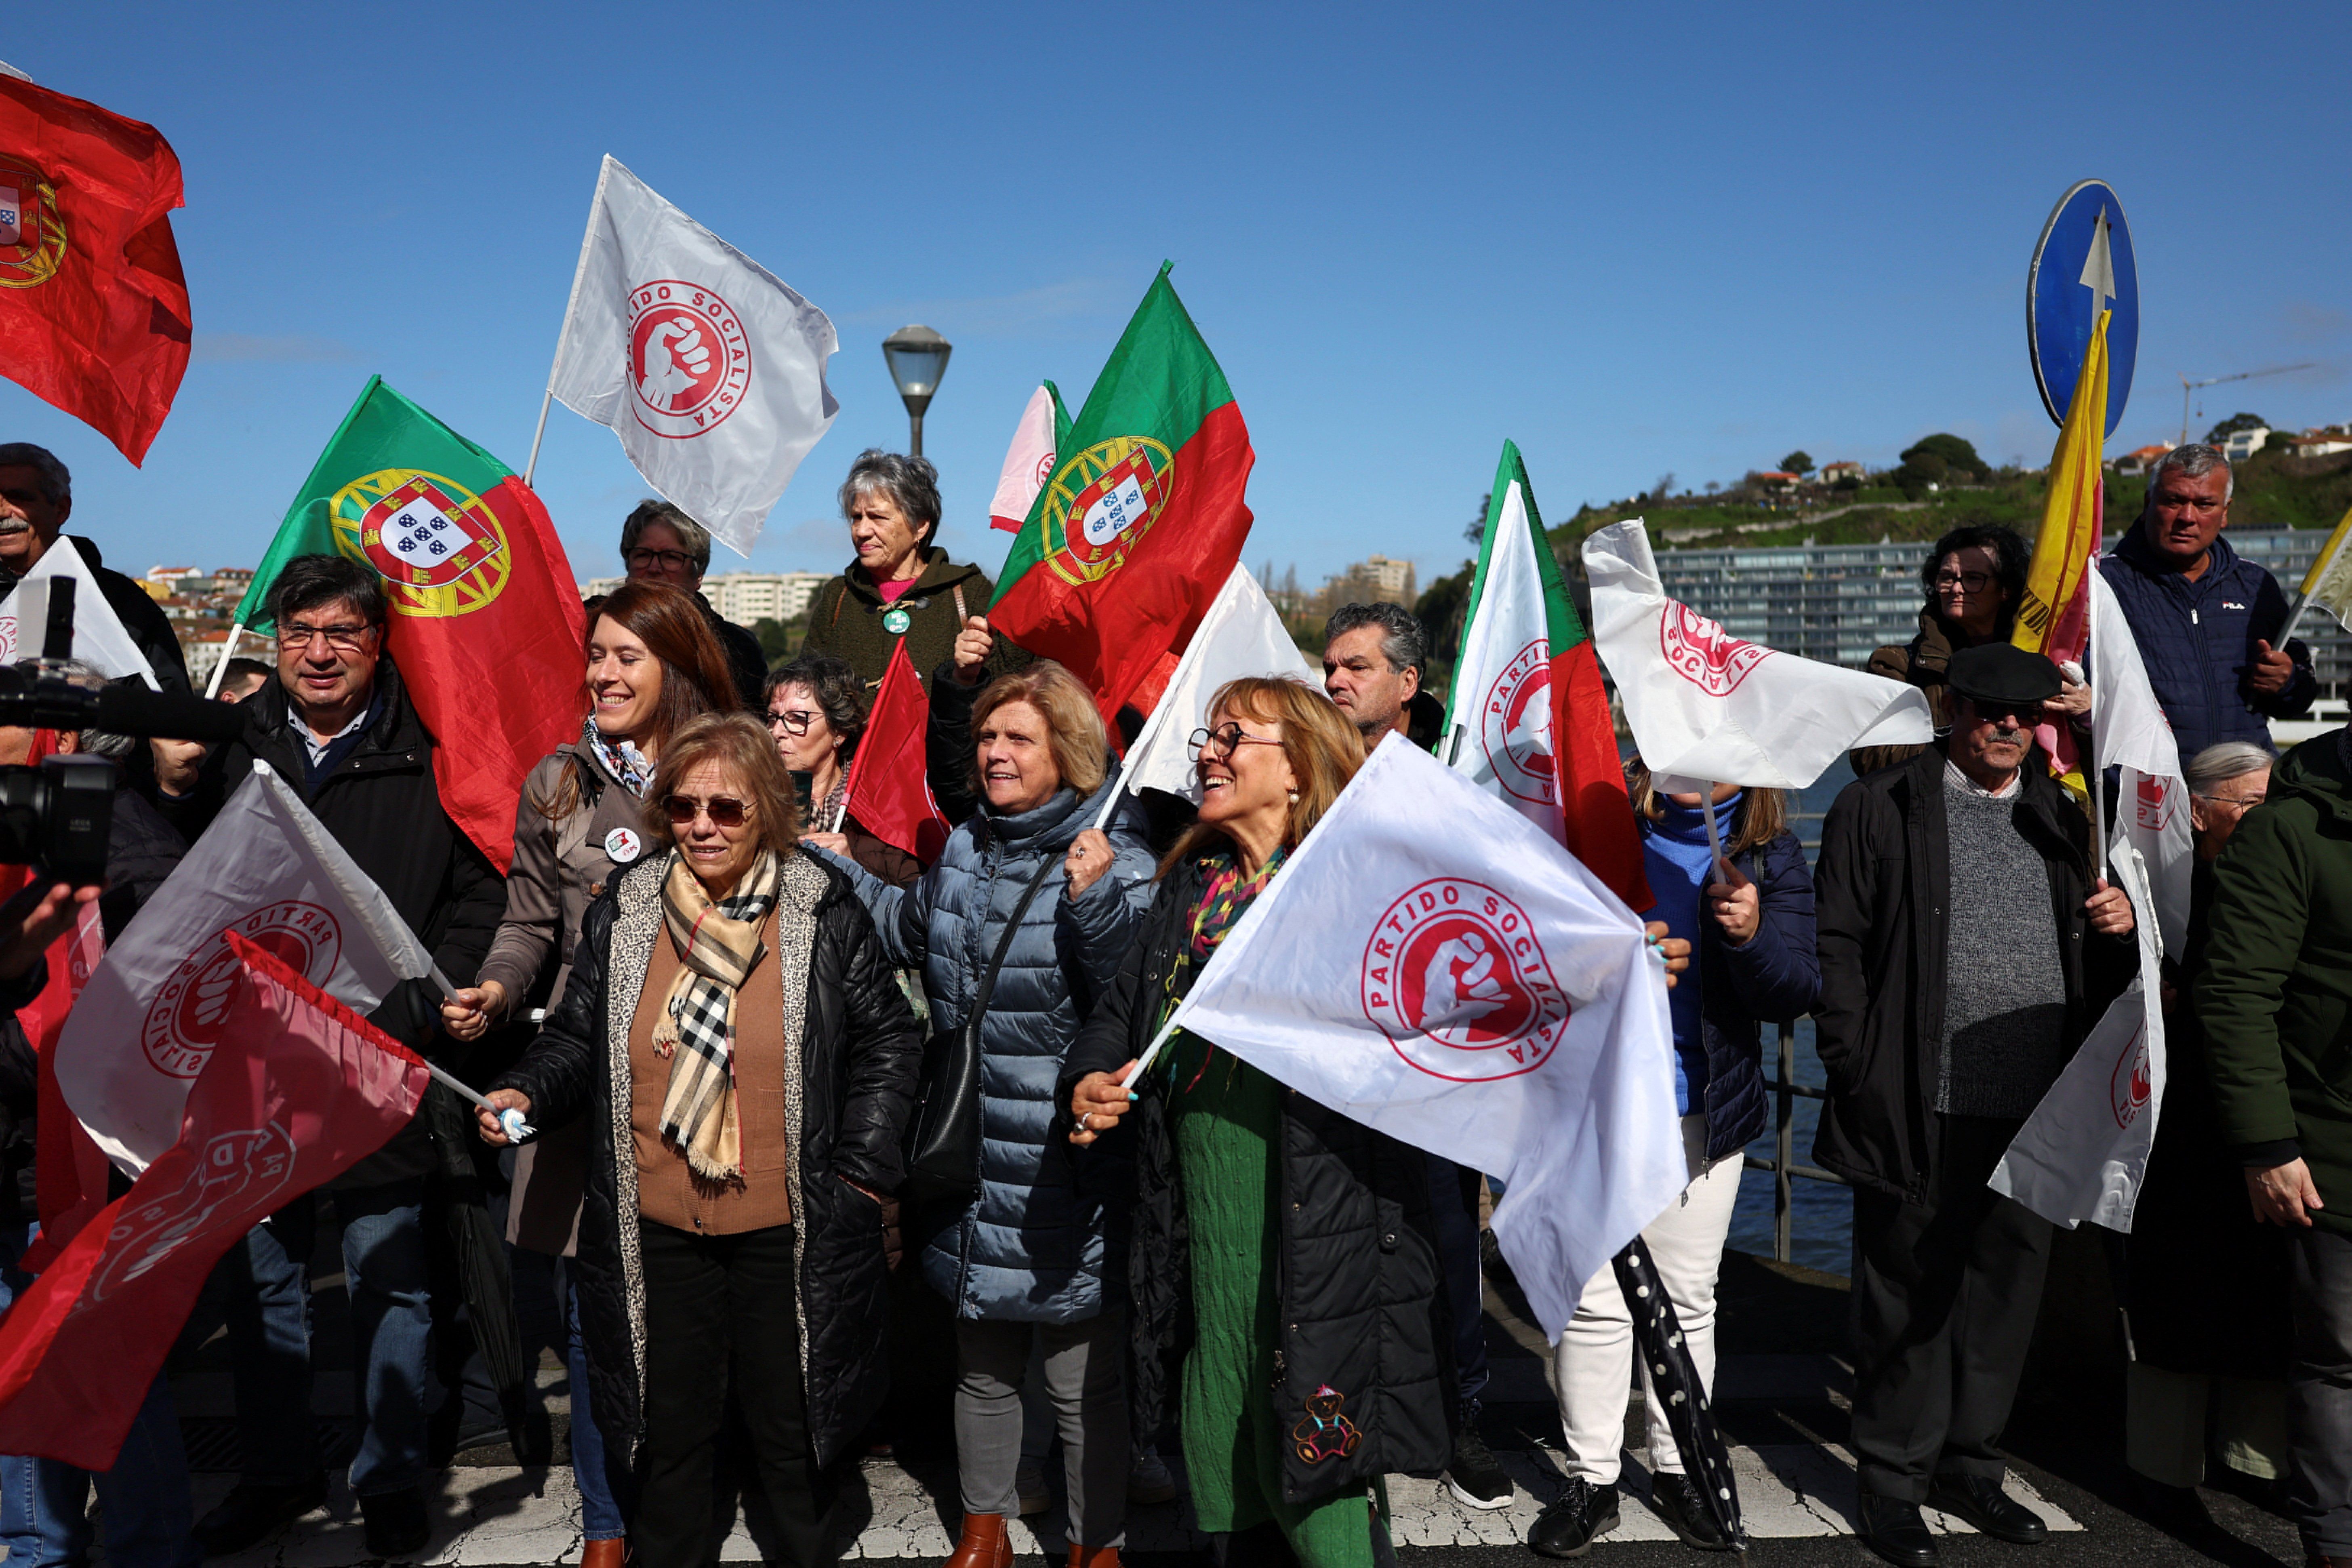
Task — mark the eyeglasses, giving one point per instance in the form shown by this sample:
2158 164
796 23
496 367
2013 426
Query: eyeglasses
668 560
724 811
342 640
1966 581
2027 717
2238 803
1222 741
793 722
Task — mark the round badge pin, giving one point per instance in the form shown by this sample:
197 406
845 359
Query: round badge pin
621 846
896 621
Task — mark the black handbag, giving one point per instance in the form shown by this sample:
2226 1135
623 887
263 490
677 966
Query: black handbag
943 1155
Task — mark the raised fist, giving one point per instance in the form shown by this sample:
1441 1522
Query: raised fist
1450 1001
676 356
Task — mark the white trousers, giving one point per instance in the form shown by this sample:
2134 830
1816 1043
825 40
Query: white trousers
1593 1363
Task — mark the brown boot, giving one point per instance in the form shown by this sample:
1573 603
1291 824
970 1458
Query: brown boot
605 1554
1093 1556
982 1543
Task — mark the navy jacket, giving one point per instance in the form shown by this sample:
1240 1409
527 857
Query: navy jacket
1774 976
2197 639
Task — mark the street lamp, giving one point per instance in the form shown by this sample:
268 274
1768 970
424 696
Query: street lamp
918 357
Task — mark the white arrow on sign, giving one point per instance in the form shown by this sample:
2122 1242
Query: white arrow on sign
2099 266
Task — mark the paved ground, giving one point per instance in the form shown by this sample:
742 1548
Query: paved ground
1782 1392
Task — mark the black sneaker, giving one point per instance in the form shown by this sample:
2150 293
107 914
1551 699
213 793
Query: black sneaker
1474 1478
397 1529
252 1511
1570 1522
1677 1499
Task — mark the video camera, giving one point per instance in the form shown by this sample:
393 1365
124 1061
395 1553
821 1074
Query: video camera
56 817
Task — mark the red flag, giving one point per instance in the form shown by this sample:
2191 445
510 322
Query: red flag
298 1091
499 683
93 307
888 793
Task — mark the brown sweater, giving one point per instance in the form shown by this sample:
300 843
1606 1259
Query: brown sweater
668 1192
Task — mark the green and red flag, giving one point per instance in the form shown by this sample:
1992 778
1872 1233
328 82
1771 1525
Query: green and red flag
1529 719
1130 541
486 622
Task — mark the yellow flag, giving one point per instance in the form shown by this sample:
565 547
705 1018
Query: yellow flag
2053 617
2328 584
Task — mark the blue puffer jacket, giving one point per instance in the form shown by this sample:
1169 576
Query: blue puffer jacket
2197 639
1774 976
1030 1248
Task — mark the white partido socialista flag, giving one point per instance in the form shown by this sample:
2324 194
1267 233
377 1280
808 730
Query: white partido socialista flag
1501 706
1242 634
708 366
99 638
1705 705
1433 964
2083 1154
148 1021
1028 463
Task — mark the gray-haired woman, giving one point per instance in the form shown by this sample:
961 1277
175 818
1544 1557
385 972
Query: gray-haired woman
901 587
816 711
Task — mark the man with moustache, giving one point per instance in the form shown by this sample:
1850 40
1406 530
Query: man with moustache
2205 620
1374 657
36 500
1965 950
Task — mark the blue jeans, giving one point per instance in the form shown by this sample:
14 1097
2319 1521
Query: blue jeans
599 1515
268 1301
45 1503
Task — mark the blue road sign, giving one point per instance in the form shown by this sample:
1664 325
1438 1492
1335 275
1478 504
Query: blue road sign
2082 264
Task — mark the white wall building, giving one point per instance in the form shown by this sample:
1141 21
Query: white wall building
745 598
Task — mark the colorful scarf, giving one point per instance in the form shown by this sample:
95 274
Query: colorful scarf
630 768
718 943
1229 893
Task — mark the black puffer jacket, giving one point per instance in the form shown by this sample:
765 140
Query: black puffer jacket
1363 1312
1883 896
858 1051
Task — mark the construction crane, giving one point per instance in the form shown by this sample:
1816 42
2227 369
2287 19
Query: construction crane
2186 386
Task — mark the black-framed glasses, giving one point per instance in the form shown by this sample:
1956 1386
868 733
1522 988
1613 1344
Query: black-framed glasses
724 810
1966 581
1222 741
792 721
641 559
2028 718
342 640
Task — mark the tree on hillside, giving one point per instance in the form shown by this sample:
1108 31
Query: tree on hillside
1439 611
1919 470
1800 462
1476 529
2232 425
1959 456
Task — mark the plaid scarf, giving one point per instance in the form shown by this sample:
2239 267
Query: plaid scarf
630 767
718 943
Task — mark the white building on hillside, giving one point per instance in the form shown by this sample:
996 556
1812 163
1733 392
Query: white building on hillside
745 598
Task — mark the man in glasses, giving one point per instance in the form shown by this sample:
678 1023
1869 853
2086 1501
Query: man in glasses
659 543
1965 950
2205 620
36 500
339 725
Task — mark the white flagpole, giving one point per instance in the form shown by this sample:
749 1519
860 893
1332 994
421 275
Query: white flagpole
221 668
509 1120
1145 736
571 304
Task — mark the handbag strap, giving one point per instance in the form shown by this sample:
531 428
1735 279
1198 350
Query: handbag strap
1004 944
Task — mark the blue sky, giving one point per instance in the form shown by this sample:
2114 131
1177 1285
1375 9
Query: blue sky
1637 240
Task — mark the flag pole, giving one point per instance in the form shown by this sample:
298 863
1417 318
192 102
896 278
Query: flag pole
509 1120
570 305
220 667
1143 1062
2318 573
1145 736
539 434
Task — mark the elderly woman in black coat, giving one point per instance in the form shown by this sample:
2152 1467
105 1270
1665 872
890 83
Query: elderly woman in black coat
735 1035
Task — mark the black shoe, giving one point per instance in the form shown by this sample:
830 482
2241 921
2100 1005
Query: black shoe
1570 1522
1894 1530
1474 1478
2176 1511
252 1511
1678 1501
397 1529
1980 1500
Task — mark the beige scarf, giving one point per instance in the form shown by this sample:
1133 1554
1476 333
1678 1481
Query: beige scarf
717 945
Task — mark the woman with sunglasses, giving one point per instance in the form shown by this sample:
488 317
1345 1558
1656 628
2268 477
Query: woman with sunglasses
652 665
816 711
1028 890
731 1034
1283 1272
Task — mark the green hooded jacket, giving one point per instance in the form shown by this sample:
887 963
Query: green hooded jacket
2275 996
849 619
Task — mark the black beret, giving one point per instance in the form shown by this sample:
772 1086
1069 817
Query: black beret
2001 674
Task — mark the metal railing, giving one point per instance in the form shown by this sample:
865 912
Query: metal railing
1786 1091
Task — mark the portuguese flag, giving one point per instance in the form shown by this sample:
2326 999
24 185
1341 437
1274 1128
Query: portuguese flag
486 623
1129 542
1529 719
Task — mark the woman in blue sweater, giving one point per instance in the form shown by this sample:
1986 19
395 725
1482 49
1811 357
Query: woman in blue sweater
1750 928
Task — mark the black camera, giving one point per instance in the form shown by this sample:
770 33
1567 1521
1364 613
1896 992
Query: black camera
56 817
